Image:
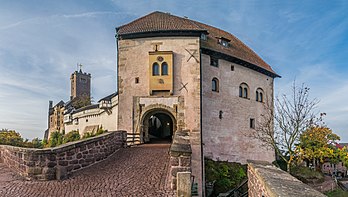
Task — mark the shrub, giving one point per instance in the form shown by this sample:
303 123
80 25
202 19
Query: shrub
35 143
101 131
56 139
71 136
87 135
280 164
225 175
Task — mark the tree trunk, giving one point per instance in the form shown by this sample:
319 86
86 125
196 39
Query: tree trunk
314 164
288 164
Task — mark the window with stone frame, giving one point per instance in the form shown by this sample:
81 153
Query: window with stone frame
164 68
215 85
155 69
244 90
259 95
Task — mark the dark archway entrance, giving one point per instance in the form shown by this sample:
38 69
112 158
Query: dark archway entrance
158 125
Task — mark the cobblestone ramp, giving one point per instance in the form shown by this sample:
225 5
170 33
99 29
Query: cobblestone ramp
136 171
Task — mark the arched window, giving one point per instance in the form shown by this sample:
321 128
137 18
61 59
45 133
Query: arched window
244 90
155 69
215 85
245 93
164 68
259 95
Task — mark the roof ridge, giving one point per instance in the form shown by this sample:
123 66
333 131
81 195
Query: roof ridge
235 37
136 20
159 23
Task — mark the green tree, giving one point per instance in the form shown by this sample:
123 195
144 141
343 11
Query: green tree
71 136
37 143
10 137
56 139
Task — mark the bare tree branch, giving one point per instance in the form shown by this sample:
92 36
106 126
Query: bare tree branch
280 126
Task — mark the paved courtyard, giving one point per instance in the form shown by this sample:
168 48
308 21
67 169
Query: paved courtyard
136 171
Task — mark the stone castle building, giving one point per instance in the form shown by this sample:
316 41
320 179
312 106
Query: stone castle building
92 117
80 93
176 73
80 85
78 113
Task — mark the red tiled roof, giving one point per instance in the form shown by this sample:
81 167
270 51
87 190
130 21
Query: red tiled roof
160 22
157 21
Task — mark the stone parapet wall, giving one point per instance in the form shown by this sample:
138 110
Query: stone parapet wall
61 161
180 156
266 180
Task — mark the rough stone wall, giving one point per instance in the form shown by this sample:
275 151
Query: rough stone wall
266 180
133 62
56 120
61 161
180 156
80 84
226 138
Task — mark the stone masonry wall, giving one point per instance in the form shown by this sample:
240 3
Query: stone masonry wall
230 130
265 180
180 156
61 161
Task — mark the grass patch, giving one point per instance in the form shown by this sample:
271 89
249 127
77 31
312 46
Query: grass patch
336 193
307 175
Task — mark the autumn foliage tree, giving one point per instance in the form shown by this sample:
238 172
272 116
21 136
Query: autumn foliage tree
317 143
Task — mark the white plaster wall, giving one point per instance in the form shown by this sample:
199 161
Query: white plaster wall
226 138
165 101
95 117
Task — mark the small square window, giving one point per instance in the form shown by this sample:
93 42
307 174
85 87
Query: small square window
232 68
252 123
214 61
86 120
136 79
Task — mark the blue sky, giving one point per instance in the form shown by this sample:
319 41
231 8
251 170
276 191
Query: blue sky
42 41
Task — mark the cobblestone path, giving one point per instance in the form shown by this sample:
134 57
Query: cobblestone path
136 171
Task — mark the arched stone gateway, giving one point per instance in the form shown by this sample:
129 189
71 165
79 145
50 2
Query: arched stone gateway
157 124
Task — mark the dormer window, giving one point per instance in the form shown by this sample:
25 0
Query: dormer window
204 36
224 41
